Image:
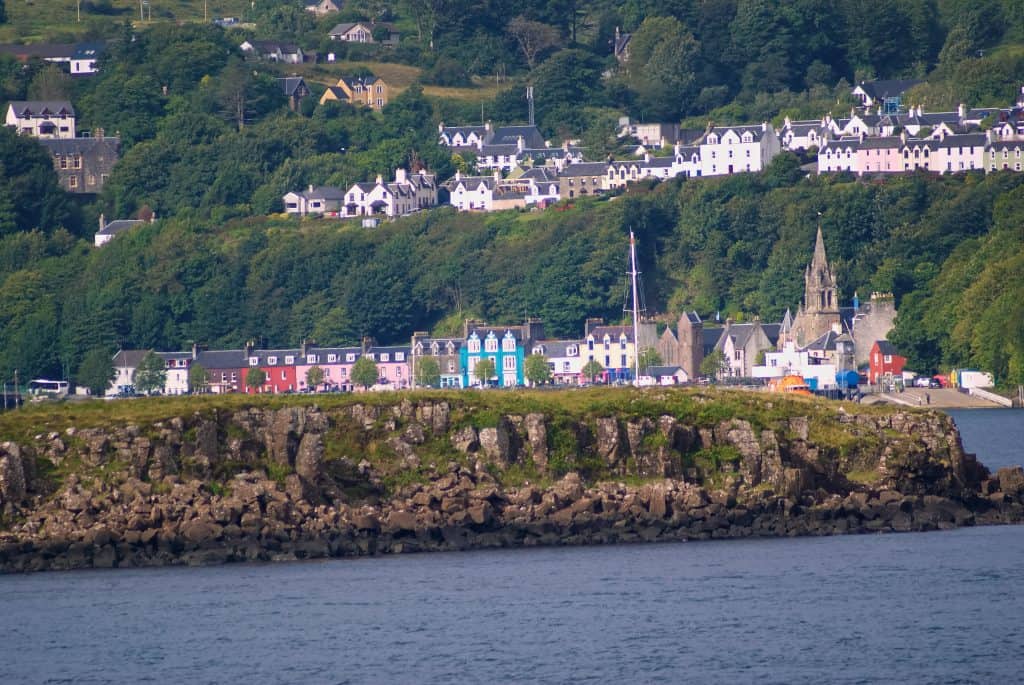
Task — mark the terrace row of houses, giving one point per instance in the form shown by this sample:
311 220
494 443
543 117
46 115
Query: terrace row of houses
939 153
408 193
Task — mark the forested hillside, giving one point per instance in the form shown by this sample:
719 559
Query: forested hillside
210 145
949 248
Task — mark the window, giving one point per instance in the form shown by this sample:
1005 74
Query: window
284 375
451 366
399 356
350 357
622 342
571 351
473 344
271 360
607 361
311 359
607 342
290 359
508 343
385 357
369 355
254 361
622 362
566 367
590 344
491 343
73 182
332 358
509 363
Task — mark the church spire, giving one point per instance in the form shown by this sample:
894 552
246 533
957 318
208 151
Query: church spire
819 248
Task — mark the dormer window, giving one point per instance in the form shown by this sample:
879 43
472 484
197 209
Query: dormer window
747 138
508 343
622 341
350 356
312 359
271 360
289 359
537 349
712 139
590 342
450 347
491 343
571 350
385 357
473 343
607 341
399 356
332 358
419 348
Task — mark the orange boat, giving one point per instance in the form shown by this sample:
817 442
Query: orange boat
794 385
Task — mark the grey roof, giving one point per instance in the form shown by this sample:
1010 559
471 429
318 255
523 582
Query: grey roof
658 371
492 150
323 193
886 347
470 182
585 169
711 336
754 130
222 359
129 358
23 108
558 348
110 145
541 175
824 343
40 50
613 332
290 84
90 50
464 130
504 135
887 89
119 226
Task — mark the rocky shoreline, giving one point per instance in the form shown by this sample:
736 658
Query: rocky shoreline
278 484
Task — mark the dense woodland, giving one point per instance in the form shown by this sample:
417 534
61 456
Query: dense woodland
210 146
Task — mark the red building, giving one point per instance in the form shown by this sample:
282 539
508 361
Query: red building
279 367
884 362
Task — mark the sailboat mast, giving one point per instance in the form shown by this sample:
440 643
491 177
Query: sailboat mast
636 310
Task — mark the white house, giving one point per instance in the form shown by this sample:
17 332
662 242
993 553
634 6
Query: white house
407 194
42 118
735 149
323 200
793 361
564 360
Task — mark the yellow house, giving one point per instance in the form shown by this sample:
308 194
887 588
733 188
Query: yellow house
369 91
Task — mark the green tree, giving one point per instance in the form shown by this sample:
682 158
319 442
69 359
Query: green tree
484 371
428 372
314 377
255 378
151 374
592 369
364 372
713 364
198 379
96 371
649 357
537 370
661 68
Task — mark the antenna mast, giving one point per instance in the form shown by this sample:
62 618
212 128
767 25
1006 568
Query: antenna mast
636 310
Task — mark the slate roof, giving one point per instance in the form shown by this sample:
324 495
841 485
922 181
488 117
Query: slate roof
222 359
614 332
658 371
541 175
40 50
109 146
290 84
557 348
323 193
887 89
129 358
119 226
470 182
756 131
509 135
24 108
90 50
584 169
886 347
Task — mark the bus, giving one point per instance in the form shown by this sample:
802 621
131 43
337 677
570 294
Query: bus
41 388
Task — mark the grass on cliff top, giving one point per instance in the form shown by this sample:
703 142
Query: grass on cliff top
702 407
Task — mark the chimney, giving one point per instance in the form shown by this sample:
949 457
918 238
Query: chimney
99 133
440 127
520 144
195 351
380 179
310 188
249 344
103 222
961 112
400 176
592 323
487 126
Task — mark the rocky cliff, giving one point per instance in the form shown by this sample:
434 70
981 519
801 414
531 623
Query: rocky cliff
218 480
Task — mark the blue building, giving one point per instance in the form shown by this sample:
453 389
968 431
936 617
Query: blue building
505 346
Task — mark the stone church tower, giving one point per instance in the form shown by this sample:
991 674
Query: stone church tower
819 312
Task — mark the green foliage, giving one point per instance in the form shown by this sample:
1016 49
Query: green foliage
151 374
255 378
713 364
198 379
592 370
428 372
364 372
537 370
96 371
484 371
649 357
314 377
